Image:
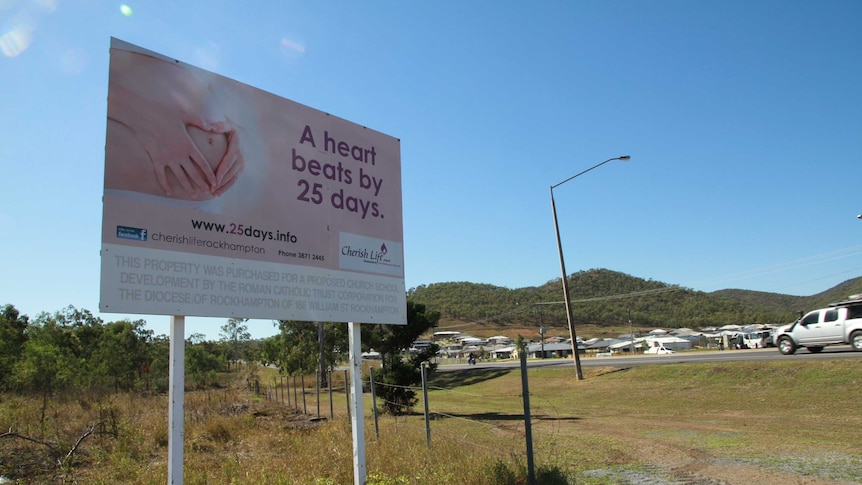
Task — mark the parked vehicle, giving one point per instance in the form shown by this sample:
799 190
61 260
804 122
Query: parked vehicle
840 323
754 340
658 350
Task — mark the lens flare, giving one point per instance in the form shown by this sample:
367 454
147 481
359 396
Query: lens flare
126 10
15 41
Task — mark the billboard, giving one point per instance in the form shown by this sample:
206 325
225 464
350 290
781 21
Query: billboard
223 200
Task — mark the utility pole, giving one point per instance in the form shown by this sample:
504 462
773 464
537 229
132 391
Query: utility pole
542 329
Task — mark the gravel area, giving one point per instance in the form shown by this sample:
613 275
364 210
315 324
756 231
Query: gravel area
832 469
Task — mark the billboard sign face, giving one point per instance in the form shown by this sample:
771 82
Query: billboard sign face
222 200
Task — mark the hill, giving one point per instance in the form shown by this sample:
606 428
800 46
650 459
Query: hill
605 298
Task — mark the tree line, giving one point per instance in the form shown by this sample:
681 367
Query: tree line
73 349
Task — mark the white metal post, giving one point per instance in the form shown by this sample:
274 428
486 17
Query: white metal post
358 415
176 395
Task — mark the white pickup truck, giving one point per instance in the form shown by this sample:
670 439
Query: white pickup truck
840 323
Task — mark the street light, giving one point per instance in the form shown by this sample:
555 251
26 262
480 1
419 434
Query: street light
569 317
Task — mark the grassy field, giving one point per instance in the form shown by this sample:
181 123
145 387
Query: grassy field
736 423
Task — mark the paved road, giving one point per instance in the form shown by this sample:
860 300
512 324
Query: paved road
689 357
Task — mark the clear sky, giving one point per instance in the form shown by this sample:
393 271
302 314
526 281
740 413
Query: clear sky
741 118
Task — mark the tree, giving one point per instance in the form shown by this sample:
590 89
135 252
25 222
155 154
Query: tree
235 333
13 336
521 344
78 333
87 330
47 362
202 361
400 372
159 357
122 354
296 349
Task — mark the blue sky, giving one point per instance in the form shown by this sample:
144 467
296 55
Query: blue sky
741 118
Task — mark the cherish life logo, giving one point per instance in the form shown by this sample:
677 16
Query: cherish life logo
371 255
366 255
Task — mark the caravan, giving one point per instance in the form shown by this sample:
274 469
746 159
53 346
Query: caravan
759 339
665 344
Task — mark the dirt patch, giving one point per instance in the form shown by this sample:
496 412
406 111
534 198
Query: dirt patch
679 464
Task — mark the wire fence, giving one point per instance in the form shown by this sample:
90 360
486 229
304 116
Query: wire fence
503 434
294 392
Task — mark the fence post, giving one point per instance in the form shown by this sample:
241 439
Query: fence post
374 402
331 411
317 378
304 404
528 431
347 394
287 385
425 397
295 397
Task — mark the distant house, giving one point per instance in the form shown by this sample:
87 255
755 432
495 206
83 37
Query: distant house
625 345
451 350
418 346
467 340
552 349
499 340
604 346
502 352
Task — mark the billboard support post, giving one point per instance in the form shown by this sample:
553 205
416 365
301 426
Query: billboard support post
176 397
356 422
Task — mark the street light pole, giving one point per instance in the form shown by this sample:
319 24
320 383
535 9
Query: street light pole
569 317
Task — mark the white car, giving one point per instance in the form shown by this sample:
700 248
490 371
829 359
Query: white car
658 351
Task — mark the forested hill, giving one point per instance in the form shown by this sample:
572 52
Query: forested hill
604 297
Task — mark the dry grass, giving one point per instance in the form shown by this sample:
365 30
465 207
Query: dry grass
736 422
